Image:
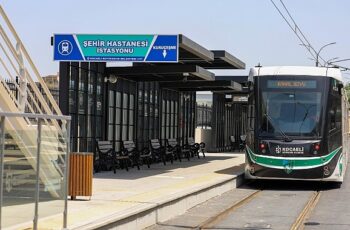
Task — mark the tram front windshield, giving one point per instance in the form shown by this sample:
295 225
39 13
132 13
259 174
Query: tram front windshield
290 107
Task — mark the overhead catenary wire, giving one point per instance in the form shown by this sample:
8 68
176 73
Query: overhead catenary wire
295 28
301 36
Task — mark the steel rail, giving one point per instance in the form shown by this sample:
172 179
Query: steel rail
305 213
222 215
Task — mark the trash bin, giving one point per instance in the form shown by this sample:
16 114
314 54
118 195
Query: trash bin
80 174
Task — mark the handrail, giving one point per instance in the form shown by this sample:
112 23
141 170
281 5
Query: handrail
31 63
31 115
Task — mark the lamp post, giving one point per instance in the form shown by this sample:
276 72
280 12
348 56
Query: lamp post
319 51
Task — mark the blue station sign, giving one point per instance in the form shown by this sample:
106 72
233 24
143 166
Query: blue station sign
108 47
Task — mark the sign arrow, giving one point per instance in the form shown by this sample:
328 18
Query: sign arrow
164 53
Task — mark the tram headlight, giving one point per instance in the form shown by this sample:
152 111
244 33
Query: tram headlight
316 148
263 147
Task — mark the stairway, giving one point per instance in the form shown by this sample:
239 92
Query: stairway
20 154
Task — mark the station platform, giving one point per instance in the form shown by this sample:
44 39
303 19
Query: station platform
140 198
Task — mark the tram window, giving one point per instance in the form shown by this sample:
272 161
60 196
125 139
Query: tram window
251 111
338 117
332 118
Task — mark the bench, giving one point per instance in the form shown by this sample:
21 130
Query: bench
195 147
108 158
173 145
159 153
136 156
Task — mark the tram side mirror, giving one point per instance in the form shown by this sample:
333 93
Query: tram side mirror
340 86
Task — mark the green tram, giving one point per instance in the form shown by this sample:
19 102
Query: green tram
297 124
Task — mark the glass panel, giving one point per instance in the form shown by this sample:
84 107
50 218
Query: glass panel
52 160
146 123
98 89
163 132
117 132
131 117
89 126
99 84
118 100
117 115
131 102
99 105
168 119
140 123
72 101
110 132
125 117
125 100
176 120
111 98
117 146
72 83
140 96
151 96
168 106
156 97
171 132
131 132
151 122
98 126
90 145
146 110
90 104
124 133
82 126
91 83
146 96
303 120
172 107
82 102
151 110
17 192
111 115
163 119
83 80
82 144
167 132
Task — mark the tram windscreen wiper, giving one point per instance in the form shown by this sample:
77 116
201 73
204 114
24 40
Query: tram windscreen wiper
285 137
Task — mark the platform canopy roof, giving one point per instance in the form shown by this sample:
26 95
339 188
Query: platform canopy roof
190 73
203 85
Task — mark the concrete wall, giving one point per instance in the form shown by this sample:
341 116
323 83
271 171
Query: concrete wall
204 135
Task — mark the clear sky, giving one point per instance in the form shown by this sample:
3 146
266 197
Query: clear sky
251 30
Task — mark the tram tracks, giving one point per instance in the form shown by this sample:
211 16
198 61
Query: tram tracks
222 215
298 224
305 213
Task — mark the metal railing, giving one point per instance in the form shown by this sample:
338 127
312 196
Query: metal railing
16 62
203 116
33 168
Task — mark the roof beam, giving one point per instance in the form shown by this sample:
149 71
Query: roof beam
194 48
203 85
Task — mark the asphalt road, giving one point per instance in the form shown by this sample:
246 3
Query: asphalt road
275 205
